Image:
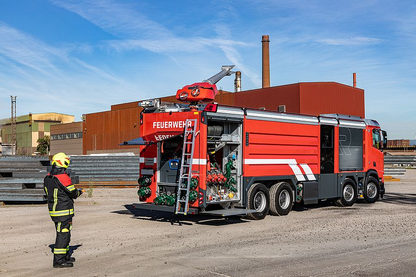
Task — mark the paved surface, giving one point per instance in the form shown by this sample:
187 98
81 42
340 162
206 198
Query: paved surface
111 239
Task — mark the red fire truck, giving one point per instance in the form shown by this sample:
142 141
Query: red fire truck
223 160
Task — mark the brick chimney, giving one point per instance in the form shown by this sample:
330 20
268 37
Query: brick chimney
266 61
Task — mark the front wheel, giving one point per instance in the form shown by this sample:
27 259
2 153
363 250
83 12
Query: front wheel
281 199
349 194
371 190
258 198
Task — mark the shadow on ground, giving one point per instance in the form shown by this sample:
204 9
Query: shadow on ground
400 198
326 204
180 220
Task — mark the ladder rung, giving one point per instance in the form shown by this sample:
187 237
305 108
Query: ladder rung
186 165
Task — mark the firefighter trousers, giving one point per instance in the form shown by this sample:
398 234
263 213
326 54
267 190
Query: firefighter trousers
63 237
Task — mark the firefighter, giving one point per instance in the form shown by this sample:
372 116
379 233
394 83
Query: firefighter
60 196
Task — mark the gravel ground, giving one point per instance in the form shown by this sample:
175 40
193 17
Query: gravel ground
112 239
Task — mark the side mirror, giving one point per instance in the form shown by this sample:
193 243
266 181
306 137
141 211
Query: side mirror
384 134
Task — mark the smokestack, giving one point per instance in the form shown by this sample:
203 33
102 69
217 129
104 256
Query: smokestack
266 61
237 81
354 80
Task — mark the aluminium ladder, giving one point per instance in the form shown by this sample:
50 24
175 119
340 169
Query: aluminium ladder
185 176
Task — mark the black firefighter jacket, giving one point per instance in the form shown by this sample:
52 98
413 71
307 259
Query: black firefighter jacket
60 194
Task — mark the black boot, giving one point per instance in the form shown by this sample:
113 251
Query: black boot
63 265
70 259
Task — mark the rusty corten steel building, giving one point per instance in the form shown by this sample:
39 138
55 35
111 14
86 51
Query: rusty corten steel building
104 131
306 98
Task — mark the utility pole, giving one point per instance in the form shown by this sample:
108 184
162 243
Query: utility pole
13 125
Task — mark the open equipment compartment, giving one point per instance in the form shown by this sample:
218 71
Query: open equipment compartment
169 161
224 160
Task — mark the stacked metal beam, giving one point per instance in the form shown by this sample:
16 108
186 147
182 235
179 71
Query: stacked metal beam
106 170
395 165
21 178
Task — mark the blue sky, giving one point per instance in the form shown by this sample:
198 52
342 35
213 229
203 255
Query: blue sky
78 57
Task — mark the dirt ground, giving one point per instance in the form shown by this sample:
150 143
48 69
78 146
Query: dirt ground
112 239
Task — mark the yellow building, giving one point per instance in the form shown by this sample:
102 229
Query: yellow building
29 128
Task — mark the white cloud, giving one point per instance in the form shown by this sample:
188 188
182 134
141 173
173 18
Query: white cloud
235 57
27 51
135 31
47 78
173 45
350 41
116 18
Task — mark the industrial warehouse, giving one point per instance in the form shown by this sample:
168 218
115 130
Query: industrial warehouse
290 179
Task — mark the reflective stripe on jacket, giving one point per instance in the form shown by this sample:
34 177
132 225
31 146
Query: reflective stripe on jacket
60 194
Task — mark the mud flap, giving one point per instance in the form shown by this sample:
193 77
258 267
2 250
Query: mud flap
310 193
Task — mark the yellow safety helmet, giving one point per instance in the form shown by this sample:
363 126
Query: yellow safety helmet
60 160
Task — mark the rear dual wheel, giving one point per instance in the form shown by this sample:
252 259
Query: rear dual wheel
258 198
281 199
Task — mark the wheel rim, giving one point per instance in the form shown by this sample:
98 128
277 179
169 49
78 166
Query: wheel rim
348 193
371 190
284 199
259 201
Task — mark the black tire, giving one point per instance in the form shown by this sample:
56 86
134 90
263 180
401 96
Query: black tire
371 190
258 198
348 194
281 199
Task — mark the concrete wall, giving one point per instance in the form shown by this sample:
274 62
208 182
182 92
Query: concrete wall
69 147
67 138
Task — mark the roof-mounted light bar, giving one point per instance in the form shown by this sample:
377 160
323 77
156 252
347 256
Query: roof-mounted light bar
150 103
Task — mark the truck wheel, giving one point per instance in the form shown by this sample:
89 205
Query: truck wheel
258 198
371 190
349 194
281 199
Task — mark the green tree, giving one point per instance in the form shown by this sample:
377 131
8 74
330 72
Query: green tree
43 145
